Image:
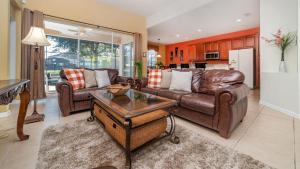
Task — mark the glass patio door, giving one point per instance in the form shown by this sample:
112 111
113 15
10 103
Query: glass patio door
74 45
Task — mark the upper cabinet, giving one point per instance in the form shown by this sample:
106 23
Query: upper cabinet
250 41
207 47
200 52
192 52
214 46
211 47
224 47
195 52
237 43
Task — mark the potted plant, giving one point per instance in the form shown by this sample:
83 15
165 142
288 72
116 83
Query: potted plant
159 65
283 42
139 69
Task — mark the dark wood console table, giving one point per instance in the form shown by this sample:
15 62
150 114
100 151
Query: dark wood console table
9 89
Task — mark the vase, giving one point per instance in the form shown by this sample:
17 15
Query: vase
282 67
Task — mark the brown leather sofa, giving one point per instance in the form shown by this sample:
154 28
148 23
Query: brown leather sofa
218 99
73 101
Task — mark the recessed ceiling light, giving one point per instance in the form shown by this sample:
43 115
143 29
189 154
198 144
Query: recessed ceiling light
177 35
239 20
247 14
199 30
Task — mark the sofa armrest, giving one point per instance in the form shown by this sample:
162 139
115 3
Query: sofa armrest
231 108
141 83
144 82
65 97
124 80
237 92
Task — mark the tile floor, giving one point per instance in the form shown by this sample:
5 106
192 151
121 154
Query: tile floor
267 135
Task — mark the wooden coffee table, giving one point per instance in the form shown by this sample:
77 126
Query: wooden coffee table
134 119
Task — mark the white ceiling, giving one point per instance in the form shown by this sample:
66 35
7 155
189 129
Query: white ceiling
142 7
73 31
168 18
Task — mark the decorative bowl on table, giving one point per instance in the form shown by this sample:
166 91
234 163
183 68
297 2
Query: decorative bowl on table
118 89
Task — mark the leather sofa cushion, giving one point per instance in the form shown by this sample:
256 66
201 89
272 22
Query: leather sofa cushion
153 91
172 94
213 80
83 94
199 102
196 81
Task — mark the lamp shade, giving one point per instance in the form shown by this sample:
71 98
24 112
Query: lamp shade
36 36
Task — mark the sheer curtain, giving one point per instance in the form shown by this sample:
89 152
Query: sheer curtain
28 56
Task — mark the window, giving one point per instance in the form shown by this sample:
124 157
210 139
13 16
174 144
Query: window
75 45
127 59
152 58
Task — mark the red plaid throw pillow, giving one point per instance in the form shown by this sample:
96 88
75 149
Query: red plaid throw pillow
154 78
75 77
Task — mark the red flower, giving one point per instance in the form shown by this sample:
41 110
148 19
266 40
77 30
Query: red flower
278 41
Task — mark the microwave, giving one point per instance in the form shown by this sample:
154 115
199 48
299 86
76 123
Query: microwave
212 56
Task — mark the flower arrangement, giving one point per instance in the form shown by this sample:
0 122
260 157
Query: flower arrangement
282 41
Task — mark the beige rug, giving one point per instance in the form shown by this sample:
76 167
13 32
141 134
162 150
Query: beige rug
84 145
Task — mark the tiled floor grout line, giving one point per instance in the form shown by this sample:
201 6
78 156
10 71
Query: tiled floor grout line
294 134
259 112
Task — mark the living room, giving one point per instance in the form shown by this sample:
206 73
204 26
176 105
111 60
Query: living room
149 84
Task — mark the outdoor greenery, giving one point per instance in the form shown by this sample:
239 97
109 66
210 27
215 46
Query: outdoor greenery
74 53
92 54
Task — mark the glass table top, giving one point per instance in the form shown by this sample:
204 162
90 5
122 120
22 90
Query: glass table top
133 102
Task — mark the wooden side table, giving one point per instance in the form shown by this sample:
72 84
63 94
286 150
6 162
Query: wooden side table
9 89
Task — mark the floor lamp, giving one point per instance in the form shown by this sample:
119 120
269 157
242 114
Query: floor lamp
37 38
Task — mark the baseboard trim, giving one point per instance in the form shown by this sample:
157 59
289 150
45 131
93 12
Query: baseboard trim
280 109
5 114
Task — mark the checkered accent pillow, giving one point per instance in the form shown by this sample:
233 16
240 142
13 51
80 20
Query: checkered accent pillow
75 77
154 78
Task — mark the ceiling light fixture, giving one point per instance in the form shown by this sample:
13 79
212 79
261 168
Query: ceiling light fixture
239 20
247 14
177 35
199 30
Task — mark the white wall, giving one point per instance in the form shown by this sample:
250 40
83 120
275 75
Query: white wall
12 50
279 91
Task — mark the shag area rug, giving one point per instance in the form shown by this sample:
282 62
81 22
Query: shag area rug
85 145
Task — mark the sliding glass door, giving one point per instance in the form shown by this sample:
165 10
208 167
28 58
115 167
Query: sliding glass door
79 46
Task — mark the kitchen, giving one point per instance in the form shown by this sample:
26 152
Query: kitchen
221 52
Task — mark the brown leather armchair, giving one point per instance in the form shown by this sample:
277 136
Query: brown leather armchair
218 99
73 101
